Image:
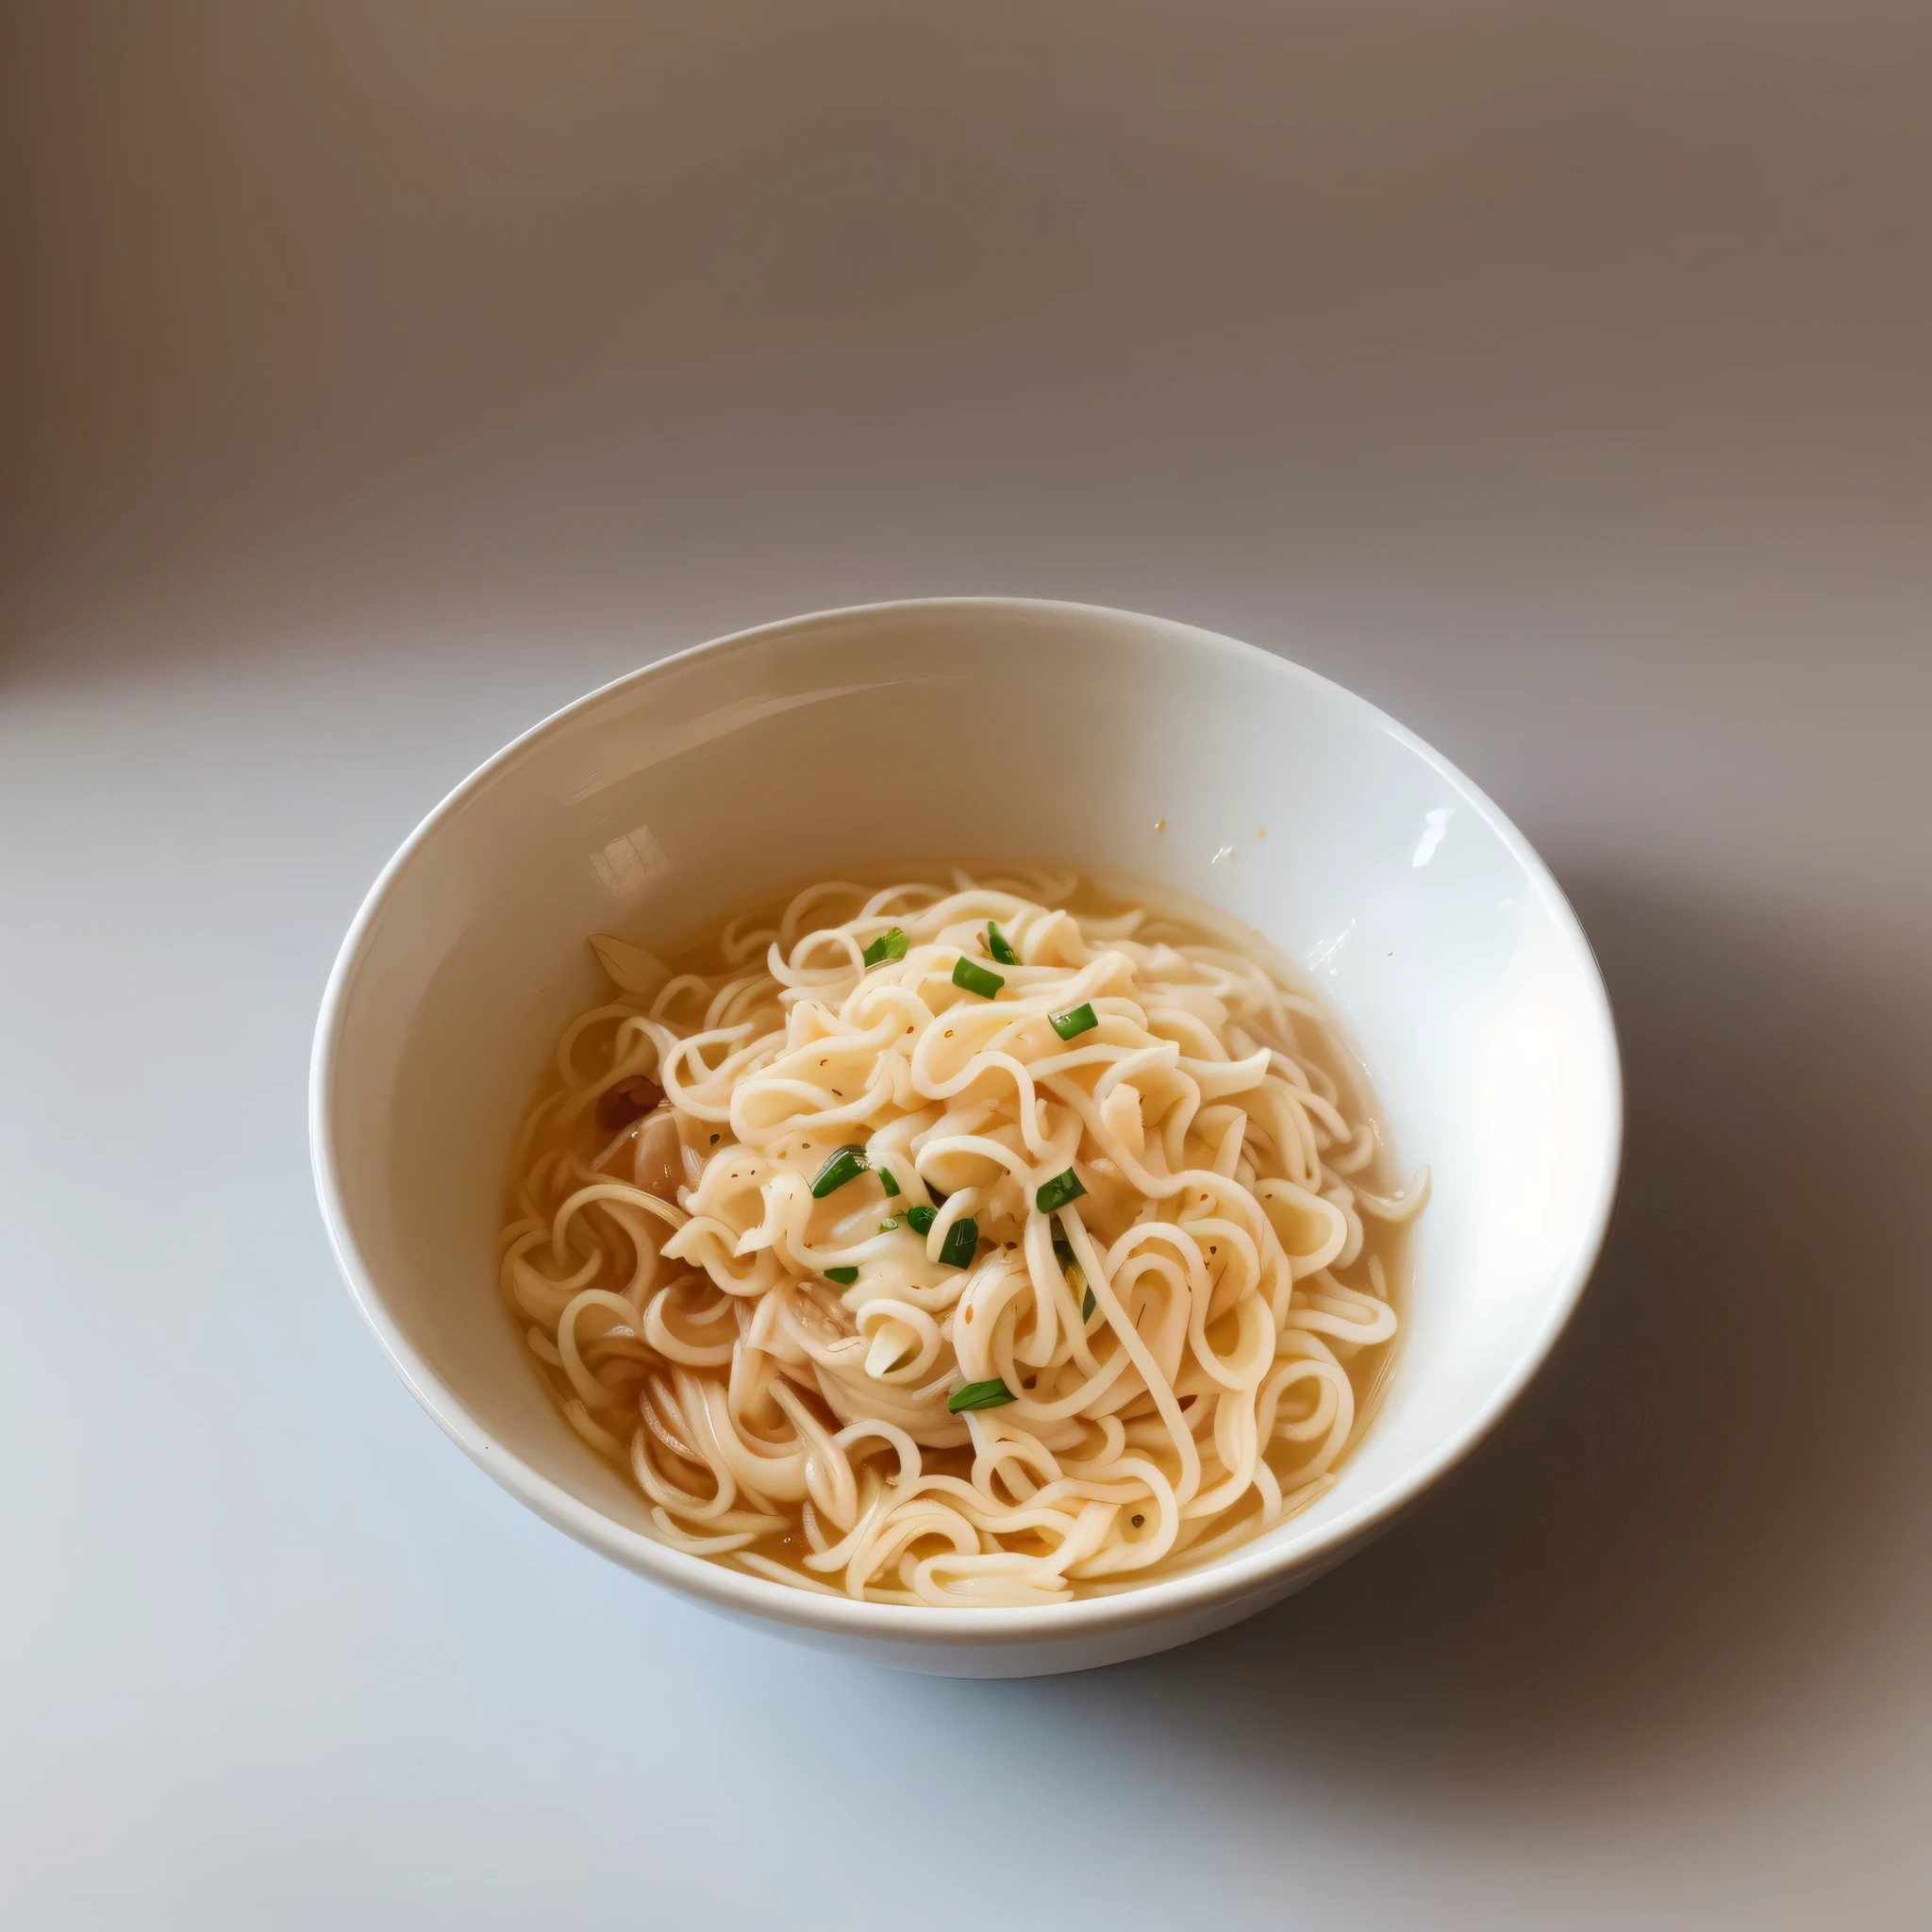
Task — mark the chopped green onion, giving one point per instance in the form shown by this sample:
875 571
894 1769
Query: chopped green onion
845 1165
976 979
890 945
1056 1192
843 1276
886 1181
1000 946
1063 1251
887 1226
920 1220
993 1394
962 1237
1080 1019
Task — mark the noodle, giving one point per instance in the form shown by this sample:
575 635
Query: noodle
940 1244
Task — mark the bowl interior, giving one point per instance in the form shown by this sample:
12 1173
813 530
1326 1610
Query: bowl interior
998 729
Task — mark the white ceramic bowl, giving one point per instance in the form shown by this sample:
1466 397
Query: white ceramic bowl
997 727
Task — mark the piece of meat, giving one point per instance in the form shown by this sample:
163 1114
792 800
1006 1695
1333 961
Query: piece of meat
629 1100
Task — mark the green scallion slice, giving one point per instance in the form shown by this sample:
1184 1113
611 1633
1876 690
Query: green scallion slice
1069 1025
1087 1308
843 1276
1056 1192
976 979
920 1220
1064 1249
890 945
845 1165
993 1394
886 1181
1000 946
887 1226
962 1237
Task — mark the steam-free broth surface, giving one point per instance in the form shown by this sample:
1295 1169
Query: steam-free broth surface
962 1240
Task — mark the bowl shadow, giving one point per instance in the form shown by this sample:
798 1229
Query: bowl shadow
1685 1509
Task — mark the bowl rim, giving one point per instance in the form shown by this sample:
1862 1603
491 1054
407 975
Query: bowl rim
1246 1572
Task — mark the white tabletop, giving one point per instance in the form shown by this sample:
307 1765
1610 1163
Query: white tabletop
1556 376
